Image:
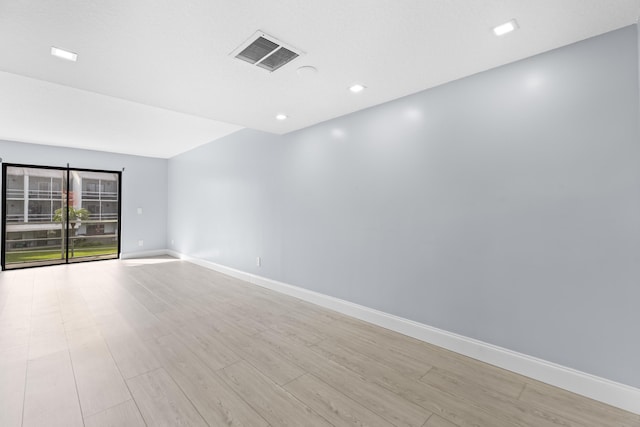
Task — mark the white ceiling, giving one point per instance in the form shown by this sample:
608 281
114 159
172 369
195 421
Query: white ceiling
47 113
155 77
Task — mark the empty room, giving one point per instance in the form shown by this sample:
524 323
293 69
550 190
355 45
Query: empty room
340 213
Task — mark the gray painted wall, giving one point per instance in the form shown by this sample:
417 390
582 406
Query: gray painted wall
504 206
144 184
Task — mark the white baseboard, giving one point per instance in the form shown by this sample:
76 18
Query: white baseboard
591 386
143 254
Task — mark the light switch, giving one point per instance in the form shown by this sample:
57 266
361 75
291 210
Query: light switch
139 211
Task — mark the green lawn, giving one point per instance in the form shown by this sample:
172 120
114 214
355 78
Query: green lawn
41 255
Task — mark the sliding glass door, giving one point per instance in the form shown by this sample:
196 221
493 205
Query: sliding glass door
58 215
33 229
94 220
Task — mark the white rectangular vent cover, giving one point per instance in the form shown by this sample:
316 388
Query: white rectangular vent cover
266 52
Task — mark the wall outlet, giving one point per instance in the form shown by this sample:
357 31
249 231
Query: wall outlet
258 262
172 242
139 211
140 242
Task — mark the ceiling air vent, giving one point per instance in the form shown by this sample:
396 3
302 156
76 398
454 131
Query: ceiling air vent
266 52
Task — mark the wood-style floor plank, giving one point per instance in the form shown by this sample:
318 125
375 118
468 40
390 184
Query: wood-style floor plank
510 409
206 344
580 410
148 299
213 399
267 360
50 397
398 360
389 405
132 356
125 414
333 405
436 421
272 402
391 347
161 401
449 406
47 343
298 330
15 322
13 370
100 384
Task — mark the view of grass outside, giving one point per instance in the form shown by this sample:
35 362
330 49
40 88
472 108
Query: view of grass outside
30 256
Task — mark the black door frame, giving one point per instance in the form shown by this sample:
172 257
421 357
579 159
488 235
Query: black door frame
67 169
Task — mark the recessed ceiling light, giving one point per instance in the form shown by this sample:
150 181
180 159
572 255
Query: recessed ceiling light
281 117
357 88
505 28
64 54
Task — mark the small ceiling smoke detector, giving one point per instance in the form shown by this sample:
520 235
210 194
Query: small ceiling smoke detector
306 71
281 117
357 88
265 51
505 28
64 54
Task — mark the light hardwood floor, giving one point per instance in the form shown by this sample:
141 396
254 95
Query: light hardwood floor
167 343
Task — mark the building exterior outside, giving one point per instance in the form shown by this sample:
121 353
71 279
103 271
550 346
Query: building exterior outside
33 195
